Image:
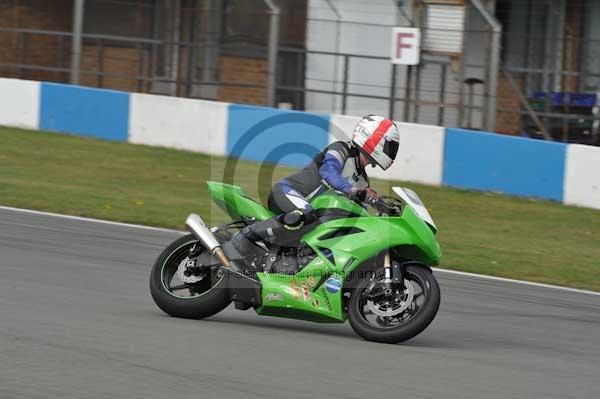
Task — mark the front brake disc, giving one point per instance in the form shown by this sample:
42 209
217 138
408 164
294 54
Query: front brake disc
393 308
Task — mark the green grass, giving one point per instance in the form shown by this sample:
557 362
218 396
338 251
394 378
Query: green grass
479 232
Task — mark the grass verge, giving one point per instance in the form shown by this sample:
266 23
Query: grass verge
482 233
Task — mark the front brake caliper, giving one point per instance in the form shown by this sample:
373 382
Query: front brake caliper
374 289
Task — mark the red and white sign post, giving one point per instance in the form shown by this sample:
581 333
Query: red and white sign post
406 46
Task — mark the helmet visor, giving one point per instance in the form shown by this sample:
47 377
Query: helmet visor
390 148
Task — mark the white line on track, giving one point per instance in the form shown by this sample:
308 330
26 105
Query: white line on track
84 219
510 280
139 226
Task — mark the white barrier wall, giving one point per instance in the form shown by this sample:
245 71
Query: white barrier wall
182 123
421 155
582 176
19 103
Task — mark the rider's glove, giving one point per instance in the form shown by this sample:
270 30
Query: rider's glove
364 194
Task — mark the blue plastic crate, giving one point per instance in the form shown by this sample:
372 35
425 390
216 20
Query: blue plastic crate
588 100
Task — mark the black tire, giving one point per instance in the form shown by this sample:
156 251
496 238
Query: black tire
392 335
212 301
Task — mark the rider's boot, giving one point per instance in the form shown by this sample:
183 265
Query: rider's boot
284 230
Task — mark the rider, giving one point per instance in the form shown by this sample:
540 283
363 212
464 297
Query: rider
340 166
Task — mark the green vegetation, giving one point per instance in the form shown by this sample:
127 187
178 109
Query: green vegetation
480 232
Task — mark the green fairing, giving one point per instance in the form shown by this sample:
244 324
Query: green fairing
304 295
234 202
334 201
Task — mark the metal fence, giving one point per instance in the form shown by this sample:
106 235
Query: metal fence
188 54
149 73
393 95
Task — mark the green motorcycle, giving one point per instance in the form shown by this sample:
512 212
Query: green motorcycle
373 270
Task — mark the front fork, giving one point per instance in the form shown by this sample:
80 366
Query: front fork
393 275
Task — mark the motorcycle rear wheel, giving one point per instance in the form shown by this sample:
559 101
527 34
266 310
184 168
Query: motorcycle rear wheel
190 301
413 316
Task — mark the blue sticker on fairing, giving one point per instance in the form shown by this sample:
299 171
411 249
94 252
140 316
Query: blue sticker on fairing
333 285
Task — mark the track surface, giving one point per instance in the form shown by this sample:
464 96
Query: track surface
77 321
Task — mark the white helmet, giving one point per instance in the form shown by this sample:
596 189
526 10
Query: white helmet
378 138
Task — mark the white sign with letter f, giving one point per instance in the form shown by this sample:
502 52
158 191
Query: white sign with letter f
406 46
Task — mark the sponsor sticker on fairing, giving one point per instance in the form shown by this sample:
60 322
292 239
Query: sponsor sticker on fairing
333 285
273 296
295 290
305 292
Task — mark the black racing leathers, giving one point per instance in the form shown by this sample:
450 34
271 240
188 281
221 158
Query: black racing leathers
335 167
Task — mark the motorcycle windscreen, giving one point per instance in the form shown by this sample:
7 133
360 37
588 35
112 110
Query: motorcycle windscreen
413 200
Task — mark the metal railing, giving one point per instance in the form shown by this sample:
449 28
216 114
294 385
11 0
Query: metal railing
146 71
428 93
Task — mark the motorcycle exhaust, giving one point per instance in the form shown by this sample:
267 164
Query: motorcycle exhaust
196 226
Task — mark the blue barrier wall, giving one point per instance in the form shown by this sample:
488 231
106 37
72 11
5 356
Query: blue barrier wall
276 136
88 112
511 165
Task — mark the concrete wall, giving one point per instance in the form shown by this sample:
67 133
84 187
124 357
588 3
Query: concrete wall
582 176
428 154
88 112
181 123
275 136
505 164
19 103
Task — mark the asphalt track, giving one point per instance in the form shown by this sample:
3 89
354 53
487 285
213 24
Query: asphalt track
77 321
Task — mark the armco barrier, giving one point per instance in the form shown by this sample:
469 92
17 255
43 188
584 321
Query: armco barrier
19 103
272 135
181 123
510 165
428 154
88 112
582 176
421 156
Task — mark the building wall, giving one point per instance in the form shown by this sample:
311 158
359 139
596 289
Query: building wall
526 43
243 70
366 30
41 50
573 40
122 63
508 120
592 45
326 72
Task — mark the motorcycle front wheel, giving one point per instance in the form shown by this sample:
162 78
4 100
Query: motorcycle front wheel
397 317
177 298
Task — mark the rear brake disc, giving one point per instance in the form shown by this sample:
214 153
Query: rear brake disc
185 274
